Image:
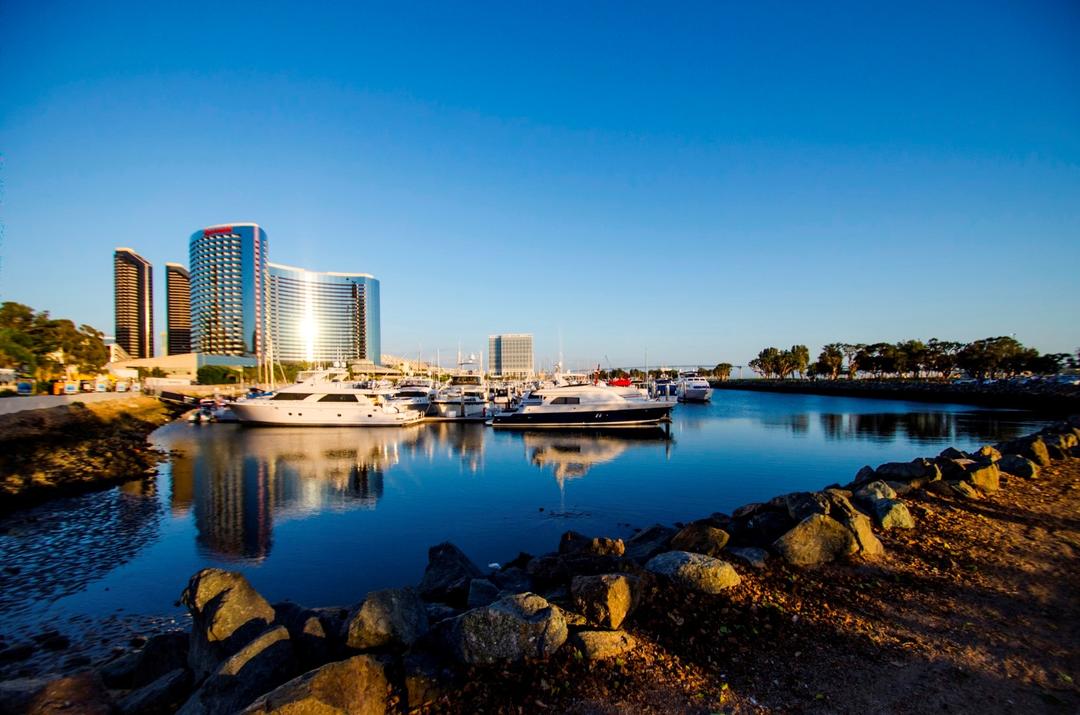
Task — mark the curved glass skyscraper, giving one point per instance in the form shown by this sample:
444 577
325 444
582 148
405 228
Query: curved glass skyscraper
228 290
323 317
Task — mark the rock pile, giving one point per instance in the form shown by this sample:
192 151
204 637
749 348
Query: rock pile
401 649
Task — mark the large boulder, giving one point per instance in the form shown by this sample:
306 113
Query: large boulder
865 474
800 505
817 539
761 528
512 579
514 627
917 472
647 543
694 572
391 618
161 654
261 665
872 491
447 576
858 523
1032 448
986 453
986 477
163 695
226 614
749 555
573 542
605 600
482 592
953 453
1018 466
356 686
700 538
893 514
314 634
598 645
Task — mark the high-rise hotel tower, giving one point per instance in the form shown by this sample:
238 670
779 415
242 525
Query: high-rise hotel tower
178 308
323 317
228 290
134 289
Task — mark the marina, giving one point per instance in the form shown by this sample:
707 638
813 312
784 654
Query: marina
309 514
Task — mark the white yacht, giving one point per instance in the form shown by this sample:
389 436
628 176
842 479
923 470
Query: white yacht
464 397
692 388
578 406
414 393
321 398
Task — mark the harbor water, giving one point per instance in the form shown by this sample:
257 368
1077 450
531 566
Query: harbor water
320 516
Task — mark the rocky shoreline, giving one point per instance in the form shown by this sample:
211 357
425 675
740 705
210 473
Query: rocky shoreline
78 447
467 638
1046 397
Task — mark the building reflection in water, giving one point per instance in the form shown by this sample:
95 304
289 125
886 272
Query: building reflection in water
461 441
241 482
571 455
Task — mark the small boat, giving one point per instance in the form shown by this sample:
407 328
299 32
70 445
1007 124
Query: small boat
692 388
322 398
582 406
663 388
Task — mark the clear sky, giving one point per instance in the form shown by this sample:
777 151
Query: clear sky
695 180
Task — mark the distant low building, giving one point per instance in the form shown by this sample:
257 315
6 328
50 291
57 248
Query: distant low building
184 366
511 355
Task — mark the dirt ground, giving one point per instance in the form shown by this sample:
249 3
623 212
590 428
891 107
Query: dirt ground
976 610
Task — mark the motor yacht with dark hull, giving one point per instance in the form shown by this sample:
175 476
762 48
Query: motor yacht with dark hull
583 407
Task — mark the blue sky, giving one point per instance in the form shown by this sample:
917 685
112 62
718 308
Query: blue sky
695 180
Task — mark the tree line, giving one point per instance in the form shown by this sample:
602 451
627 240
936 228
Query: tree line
36 344
987 358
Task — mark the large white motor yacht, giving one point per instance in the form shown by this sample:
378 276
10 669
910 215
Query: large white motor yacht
464 397
413 393
321 398
692 388
578 406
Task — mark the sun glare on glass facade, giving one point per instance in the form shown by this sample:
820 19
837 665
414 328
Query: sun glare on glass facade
323 317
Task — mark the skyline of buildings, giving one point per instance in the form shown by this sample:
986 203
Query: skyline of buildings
233 302
133 282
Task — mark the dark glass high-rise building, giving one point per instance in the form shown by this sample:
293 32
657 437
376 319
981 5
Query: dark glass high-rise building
134 289
178 308
228 290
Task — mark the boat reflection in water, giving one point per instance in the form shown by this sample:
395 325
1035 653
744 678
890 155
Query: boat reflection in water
571 455
243 482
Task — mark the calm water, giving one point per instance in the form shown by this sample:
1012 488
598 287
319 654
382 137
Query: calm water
321 516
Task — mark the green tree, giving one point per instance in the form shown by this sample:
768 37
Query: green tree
830 360
941 356
723 371
797 360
